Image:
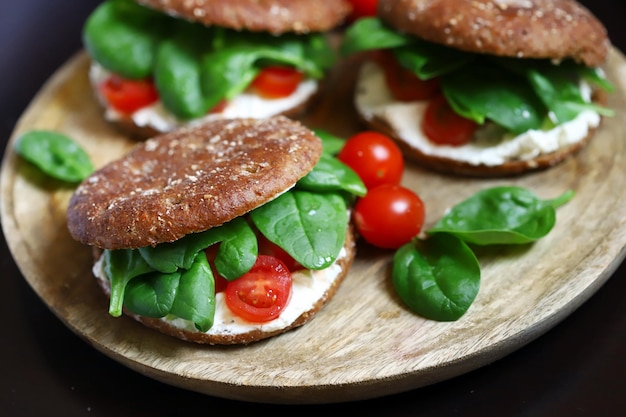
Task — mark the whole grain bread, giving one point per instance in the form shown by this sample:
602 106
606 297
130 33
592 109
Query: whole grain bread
556 29
274 16
190 180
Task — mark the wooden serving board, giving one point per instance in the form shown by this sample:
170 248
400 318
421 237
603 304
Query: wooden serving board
364 343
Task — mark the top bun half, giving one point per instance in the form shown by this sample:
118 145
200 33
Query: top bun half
274 16
553 29
190 180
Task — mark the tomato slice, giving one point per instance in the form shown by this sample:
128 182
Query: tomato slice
445 127
389 216
403 83
128 96
277 82
262 293
374 157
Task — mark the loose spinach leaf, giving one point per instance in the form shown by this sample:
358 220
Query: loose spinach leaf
501 215
55 154
330 174
311 227
437 278
121 266
152 294
195 297
235 257
122 36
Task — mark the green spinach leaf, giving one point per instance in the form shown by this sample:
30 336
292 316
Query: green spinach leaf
120 266
55 154
501 215
437 278
330 174
152 294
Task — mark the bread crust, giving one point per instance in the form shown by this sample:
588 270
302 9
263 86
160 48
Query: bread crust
190 180
556 29
253 335
274 16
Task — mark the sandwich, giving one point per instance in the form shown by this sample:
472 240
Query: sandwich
482 88
159 64
227 232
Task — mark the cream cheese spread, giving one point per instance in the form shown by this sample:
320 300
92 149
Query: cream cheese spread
490 146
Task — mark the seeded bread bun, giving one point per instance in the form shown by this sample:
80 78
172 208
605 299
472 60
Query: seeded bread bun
190 180
555 29
274 16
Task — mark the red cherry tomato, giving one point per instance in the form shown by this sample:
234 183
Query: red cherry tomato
276 82
389 216
374 157
219 107
267 247
403 83
262 293
445 127
128 96
363 8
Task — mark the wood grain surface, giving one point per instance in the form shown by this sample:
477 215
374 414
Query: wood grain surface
364 343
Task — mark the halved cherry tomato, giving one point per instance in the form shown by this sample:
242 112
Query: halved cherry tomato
267 247
403 83
128 96
277 82
445 127
262 293
389 216
363 8
374 157
220 281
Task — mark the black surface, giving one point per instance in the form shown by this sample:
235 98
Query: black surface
576 369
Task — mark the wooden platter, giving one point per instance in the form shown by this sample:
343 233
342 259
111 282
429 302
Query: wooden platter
364 343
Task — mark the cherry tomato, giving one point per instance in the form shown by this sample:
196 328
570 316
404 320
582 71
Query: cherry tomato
363 8
403 83
389 216
262 293
219 107
220 281
267 247
445 127
374 157
276 82
128 96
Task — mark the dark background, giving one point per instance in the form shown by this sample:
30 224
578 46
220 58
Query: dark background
576 369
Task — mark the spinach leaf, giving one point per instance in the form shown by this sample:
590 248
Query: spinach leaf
152 294
121 266
371 33
330 174
481 92
177 72
501 215
55 154
437 278
235 257
311 227
195 297
122 36
428 60
331 144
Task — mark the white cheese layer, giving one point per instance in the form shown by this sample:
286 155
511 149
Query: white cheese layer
245 105
308 287
489 147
